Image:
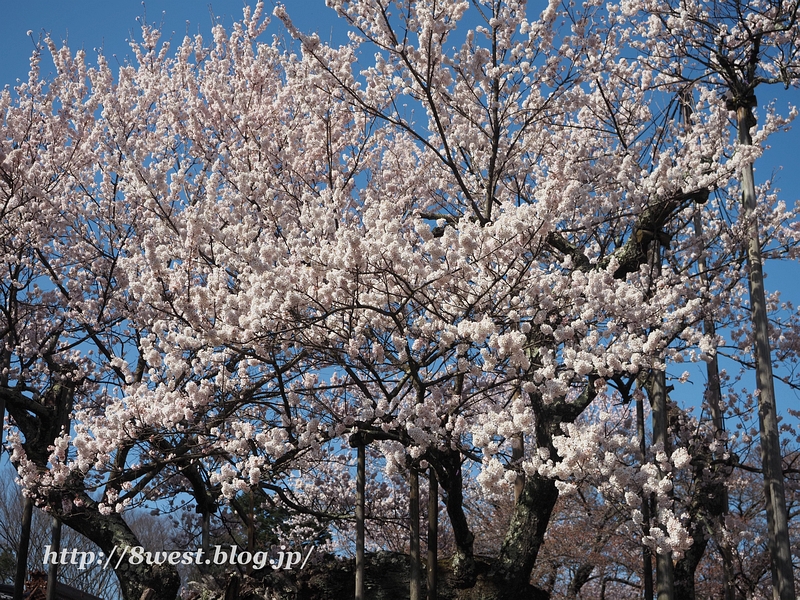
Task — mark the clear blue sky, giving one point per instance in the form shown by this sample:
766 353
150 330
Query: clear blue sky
108 24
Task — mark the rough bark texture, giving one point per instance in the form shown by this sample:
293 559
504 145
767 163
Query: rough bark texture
525 536
511 572
647 557
360 496
415 585
448 468
657 390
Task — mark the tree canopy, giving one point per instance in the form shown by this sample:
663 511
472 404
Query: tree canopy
478 241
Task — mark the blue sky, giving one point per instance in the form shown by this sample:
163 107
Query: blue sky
108 24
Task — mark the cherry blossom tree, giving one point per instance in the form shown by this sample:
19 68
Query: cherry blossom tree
448 243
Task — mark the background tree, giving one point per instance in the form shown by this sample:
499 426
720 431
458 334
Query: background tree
737 47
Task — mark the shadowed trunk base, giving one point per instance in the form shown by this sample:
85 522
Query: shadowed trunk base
387 578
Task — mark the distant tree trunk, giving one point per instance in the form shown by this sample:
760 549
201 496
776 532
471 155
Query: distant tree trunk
251 531
665 579
361 479
2 420
5 361
205 531
647 556
416 576
771 461
433 535
55 546
22 549
714 399
517 453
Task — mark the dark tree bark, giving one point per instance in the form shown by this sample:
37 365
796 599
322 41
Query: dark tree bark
415 591
360 496
113 535
657 389
448 468
22 550
433 535
512 569
686 567
647 555
582 575
55 546
517 453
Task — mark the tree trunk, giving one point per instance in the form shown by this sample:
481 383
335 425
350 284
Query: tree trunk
525 536
5 362
251 531
714 399
55 546
708 505
532 511
647 555
360 498
581 577
450 478
205 531
771 461
22 549
686 567
112 534
433 535
415 583
2 420
517 454
665 582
